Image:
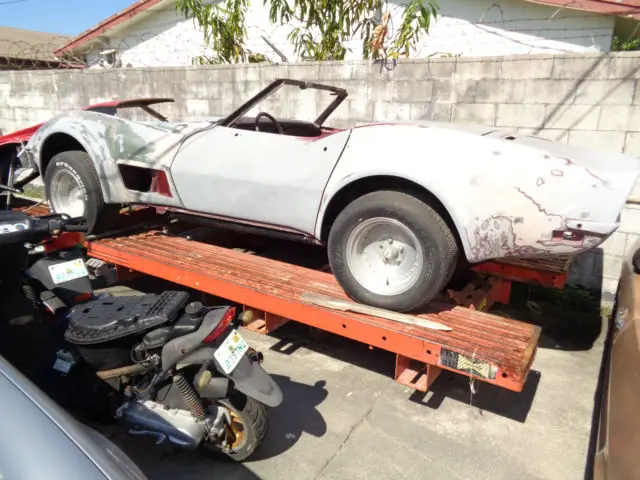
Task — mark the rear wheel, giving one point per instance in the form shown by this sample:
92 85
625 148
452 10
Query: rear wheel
248 428
391 250
72 187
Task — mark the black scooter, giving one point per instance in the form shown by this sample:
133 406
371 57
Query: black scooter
179 371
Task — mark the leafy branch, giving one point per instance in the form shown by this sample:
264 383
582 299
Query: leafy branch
223 28
322 29
619 44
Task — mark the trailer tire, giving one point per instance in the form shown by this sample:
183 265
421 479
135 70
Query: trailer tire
71 174
391 250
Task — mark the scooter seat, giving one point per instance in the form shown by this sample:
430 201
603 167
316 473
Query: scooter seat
103 320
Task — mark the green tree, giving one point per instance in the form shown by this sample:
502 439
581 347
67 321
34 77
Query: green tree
323 27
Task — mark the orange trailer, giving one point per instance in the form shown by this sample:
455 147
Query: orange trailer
481 345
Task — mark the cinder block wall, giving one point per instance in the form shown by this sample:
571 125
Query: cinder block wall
591 100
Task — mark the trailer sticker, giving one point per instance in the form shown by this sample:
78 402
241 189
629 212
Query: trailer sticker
467 364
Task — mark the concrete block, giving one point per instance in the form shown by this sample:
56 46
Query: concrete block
268 73
413 91
437 68
633 243
431 111
385 90
220 73
454 91
361 108
520 115
434 69
502 91
605 92
476 113
254 87
635 193
530 68
616 118
549 91
194 75
5 91
630 219
197 106
611 267
616 244
391 111
478 69
632 143
340 113
364 70
251 73
333 71
574 117
357 90
212 90
612 142
300 109
302 71
595 67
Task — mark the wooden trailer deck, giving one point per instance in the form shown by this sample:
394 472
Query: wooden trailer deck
482 345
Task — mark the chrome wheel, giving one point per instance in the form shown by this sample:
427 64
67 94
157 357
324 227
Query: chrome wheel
384 256
66 194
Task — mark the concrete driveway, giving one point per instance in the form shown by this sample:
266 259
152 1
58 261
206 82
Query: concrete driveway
344 417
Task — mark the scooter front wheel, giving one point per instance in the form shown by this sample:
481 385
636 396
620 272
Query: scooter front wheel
248 428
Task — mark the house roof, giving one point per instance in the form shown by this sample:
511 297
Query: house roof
107 24
618 8
30 44
623 8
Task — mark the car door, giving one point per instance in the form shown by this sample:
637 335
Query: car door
261 177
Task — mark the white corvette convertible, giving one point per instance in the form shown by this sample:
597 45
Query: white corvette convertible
395 204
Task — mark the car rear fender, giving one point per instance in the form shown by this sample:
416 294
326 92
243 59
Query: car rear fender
505 199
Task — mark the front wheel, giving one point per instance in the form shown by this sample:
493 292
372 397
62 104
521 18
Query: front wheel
390 250
72 187
248 428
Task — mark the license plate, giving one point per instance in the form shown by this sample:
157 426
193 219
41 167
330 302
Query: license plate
231 351
67 271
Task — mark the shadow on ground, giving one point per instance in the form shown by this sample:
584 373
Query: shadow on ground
512 405
297 414
570 319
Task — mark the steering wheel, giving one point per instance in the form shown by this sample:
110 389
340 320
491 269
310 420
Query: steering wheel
273 120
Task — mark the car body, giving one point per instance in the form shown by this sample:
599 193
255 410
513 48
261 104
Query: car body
500 194
35 427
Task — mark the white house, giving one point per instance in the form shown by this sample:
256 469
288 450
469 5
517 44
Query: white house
151 33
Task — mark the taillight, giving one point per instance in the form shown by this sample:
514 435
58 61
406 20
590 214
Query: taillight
227 318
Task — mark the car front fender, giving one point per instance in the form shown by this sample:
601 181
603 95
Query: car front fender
108 141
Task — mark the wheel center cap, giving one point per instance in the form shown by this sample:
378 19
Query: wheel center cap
392 254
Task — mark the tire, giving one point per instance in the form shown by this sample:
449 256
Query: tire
255 422
77 166
429 248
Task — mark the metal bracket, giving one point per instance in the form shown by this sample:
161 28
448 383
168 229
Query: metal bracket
414 374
